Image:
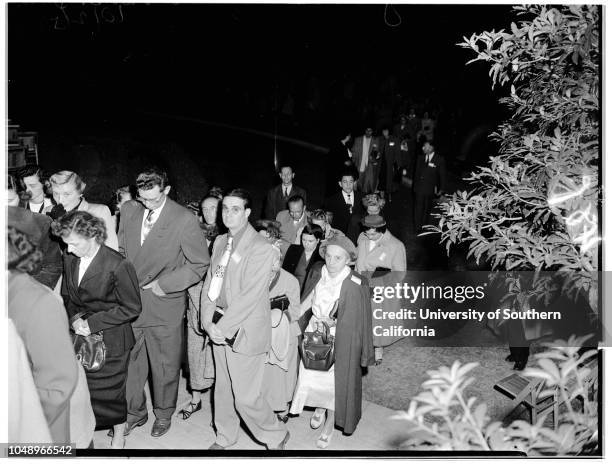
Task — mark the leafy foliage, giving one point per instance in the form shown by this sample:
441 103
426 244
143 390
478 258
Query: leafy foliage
464 425
534 207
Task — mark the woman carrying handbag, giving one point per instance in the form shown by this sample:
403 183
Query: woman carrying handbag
336 393
101 295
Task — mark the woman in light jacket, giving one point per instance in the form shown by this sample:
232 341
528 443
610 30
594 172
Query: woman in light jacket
67 188
382 258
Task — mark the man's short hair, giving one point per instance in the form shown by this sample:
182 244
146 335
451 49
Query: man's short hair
280 168
295 199
151 177
32 170
240 193
349 171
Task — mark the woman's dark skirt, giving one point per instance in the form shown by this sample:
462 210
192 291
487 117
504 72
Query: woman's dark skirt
107 391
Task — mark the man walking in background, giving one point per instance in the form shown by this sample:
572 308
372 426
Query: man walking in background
276 200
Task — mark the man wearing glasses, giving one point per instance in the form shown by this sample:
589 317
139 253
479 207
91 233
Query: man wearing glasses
164 242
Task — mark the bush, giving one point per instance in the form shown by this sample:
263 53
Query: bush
442 419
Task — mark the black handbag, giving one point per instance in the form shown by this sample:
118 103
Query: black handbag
317 348
90 350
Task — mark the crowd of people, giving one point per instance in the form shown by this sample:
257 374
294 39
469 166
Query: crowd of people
242 290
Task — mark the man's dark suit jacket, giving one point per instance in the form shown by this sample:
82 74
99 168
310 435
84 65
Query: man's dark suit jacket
275 202
174 253
109 292
37 226
426 178
341 212
292 259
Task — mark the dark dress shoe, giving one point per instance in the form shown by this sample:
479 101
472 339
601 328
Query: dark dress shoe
281 445
128 427
160 427
283 418
519 365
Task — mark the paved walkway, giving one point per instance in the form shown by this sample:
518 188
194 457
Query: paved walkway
376 432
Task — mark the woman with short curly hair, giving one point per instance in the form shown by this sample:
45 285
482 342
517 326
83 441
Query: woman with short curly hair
101 293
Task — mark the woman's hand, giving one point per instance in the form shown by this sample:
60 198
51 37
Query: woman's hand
81 327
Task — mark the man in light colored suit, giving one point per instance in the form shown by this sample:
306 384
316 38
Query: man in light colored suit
366 156
237 283
292 220
164 242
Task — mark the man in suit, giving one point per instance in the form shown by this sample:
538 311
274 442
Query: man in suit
366 157
390 148
292 219
164 242
37 226
429 180
346 203
238 284
278 196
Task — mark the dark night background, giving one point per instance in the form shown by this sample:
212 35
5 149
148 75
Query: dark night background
83 76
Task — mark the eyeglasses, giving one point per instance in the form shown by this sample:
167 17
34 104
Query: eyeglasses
151 201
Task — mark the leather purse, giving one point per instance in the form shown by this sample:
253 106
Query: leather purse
317 349
90 351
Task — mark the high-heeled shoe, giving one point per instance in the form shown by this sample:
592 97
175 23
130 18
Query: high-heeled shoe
324 440
317 418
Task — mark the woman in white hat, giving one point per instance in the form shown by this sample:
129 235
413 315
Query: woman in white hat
341 299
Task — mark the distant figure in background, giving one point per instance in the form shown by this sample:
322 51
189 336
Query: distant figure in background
101 295
339 157
366 157
429 180
166 245
38 228
40 319
36 188
68 190
277 198
373 203
428 126
122 194
402 130
346 203
391 155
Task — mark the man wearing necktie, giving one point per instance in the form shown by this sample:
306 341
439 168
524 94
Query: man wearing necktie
164 242
346 203
237 283
277 197
429 180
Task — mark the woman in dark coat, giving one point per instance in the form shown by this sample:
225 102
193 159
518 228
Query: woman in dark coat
336 393
101 295
304 261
